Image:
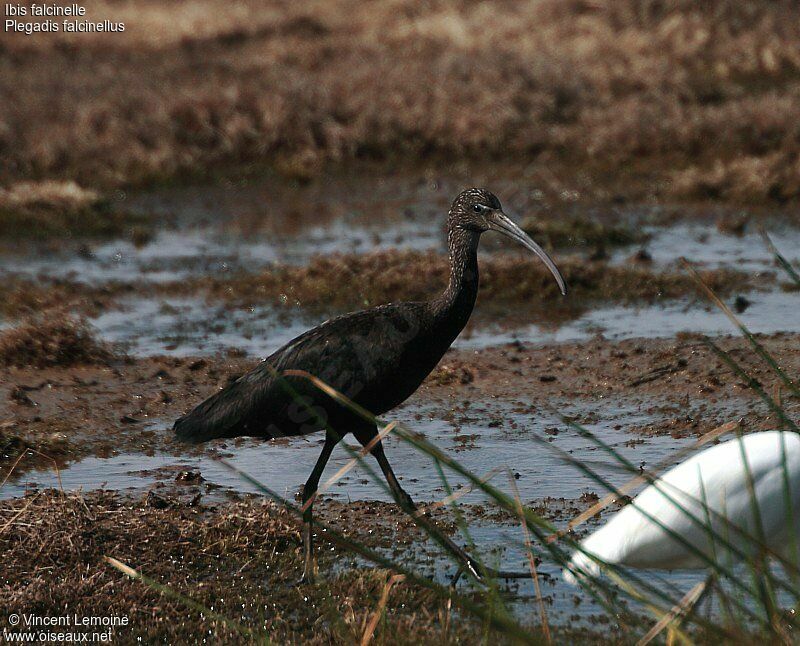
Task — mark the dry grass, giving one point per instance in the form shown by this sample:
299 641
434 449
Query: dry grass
241 559
62 208
22 297
386 276
67 196
774 176
51 340
581 231
391 276
700 98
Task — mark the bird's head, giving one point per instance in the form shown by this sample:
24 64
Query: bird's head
478 210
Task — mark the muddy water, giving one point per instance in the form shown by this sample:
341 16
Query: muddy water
486 436
768 313
489 437
706 245
216 231
198 251
191 327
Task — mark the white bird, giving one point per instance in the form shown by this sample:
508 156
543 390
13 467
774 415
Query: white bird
713 487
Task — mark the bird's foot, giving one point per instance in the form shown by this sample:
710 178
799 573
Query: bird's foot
423 512
474 569
407 504
310 574
471 566
309 570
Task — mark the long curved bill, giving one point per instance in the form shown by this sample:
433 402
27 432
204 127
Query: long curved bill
499 221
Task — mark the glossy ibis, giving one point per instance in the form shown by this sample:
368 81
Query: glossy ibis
377 358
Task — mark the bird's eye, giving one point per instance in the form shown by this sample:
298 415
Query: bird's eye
477 208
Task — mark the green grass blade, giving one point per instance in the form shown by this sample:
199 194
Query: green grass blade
501 623
753 384
779 258
760 349
457 554
765 590
653 480
542 528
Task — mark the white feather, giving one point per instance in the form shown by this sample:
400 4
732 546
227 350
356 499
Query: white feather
639 535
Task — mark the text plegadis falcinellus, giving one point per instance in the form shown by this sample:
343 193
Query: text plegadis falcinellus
377 358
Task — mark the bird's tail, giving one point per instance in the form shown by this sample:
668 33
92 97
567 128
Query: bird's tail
224 414
580 567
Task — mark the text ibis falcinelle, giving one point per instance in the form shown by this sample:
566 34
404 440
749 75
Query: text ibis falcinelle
42 18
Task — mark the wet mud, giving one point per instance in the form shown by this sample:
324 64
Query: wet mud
128 405
105 341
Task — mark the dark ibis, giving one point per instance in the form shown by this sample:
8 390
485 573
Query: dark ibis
377 358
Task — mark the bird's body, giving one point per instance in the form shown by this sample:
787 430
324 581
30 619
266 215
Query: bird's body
377 358
713 487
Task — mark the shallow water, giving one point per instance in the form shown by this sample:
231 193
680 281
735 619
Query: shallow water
507 445
510 442
704 244
191 327
202 251
198 251
215 231
769 312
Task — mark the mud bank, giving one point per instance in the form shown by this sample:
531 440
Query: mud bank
241 559
390 276
399 276
53 210
128 407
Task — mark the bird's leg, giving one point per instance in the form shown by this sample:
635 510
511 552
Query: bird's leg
403 499
310 490
406 503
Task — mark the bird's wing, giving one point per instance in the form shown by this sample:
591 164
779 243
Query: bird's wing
348 353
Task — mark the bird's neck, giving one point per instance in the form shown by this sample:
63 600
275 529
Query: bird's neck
456 302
